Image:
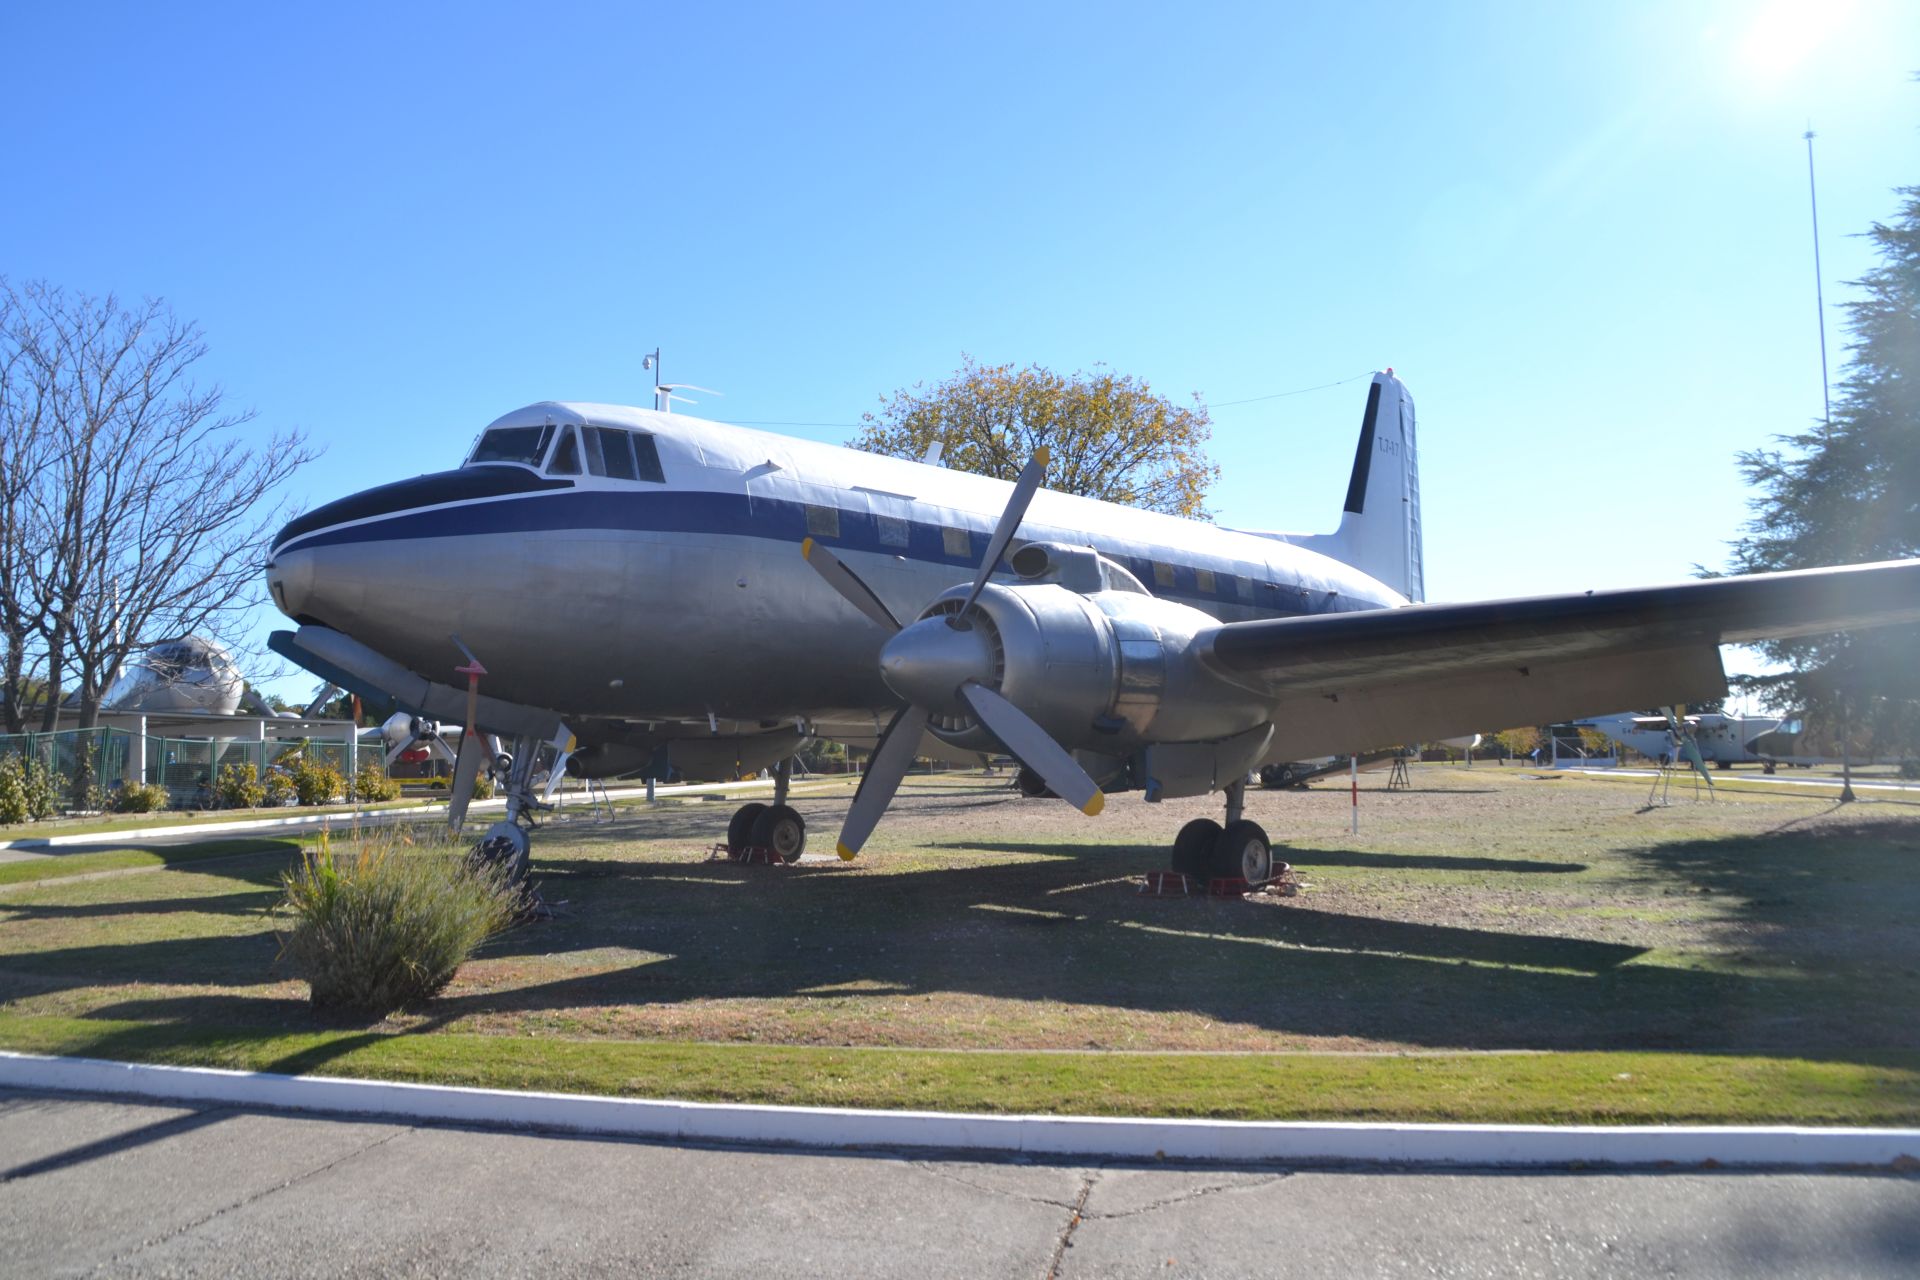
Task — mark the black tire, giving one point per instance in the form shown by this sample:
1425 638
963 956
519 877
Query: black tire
782 830
1243 851
740 828
1032 785
504 845
1193 847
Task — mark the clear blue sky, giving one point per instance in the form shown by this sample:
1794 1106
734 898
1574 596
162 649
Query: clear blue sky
1579 232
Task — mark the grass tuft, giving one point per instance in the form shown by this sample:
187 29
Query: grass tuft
385 924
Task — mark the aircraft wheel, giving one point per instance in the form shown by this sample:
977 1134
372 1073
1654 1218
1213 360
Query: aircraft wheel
782 830
1031 784
504 845
1193 847
740 827
1243 850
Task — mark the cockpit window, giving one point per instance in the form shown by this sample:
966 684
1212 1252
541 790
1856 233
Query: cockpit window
566 455
622 455
525 445
647 457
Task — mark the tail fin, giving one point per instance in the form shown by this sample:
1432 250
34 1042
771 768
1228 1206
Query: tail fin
1379 530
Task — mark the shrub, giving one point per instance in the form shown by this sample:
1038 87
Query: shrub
1910 769
27 791
279 787
140 797
384 924
316 783
13 790
240 787
372 784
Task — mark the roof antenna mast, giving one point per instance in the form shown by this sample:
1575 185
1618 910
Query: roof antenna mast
653 362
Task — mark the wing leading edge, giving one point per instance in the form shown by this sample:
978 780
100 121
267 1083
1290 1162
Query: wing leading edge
1352 681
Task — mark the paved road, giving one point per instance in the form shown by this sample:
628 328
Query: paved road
134 1189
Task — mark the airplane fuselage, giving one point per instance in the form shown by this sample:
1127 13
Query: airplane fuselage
684 597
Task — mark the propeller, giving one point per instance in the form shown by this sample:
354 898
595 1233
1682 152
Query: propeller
942 663
473 748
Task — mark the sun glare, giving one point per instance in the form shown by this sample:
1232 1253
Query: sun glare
1787 31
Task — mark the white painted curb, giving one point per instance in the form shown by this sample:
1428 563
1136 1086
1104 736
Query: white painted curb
1201 1140
345 816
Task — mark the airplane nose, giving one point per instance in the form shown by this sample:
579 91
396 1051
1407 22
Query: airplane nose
290 581
927 662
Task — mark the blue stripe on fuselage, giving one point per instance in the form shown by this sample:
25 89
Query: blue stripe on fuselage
785 521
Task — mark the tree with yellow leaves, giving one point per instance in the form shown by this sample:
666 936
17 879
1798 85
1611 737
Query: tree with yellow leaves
1111 438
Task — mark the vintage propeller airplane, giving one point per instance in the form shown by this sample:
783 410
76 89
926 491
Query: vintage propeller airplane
631 581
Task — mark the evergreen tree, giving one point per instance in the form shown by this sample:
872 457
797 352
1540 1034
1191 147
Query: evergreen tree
1849 491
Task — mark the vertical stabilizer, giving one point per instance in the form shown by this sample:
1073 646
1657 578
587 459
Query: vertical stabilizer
1379 530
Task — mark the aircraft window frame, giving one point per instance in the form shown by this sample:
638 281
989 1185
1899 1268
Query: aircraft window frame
516 453
1203 581
823 522
956 542
893 530
609 448
568 444
646 457
1162 573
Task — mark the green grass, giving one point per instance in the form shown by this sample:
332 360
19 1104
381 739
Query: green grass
1748 959
1595 1088
62 866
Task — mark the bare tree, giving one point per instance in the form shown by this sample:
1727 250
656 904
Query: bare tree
152 510
23 457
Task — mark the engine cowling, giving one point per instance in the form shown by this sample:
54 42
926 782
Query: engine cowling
1106 671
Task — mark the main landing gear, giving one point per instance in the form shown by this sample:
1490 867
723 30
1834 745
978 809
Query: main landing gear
508 843
776 827
1206 850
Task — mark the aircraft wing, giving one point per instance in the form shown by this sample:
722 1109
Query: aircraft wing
1351 681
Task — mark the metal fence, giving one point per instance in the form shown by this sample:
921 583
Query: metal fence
102 758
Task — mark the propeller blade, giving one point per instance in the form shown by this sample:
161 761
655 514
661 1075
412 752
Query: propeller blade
891 756
1034 748
402 749
1023 490
473 754
848 584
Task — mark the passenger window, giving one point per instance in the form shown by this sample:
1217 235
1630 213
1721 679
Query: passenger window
823 522
893 531
646 456
1203 580
956 542
566 455
1162 574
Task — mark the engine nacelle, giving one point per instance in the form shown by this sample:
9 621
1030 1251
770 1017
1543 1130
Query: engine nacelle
1104 672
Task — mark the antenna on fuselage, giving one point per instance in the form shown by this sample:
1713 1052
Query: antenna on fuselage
667 392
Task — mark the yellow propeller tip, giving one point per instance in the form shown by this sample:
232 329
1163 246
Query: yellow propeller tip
1042 455
1093 807
806 548
846 854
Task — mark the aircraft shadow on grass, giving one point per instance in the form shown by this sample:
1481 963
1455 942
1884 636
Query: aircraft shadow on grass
1068 927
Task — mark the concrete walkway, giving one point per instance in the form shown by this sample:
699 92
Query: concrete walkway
135 1189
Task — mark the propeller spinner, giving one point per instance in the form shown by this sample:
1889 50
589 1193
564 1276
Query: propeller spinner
943 664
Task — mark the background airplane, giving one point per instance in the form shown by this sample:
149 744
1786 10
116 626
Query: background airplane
634 580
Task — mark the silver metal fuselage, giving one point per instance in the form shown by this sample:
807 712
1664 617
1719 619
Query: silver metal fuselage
687 601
